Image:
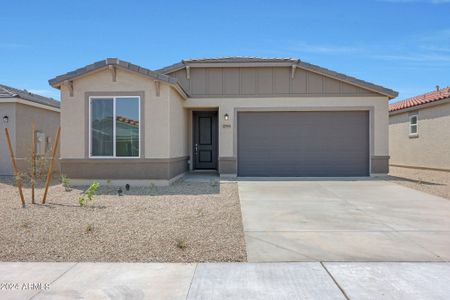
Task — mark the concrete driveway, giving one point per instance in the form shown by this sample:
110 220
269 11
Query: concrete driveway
343 220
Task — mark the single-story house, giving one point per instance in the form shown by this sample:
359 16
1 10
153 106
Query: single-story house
18 110
241 116
419 131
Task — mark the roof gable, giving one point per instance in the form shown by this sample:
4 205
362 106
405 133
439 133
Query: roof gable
115 62
235 61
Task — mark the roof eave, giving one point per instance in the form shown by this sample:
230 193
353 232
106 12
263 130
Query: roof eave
28 102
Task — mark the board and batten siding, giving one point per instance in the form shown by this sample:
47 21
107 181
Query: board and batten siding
262 81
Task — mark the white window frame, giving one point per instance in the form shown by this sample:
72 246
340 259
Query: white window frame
410 125
91 98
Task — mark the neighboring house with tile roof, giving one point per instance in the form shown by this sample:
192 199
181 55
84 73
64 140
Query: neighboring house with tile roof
419 131
238 116
18 109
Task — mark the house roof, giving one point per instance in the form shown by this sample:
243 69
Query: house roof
161 74
296 62
58 80
242 59
10 92
429 97
226 59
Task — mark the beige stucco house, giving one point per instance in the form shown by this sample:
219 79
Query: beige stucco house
18 110
241 116
419 131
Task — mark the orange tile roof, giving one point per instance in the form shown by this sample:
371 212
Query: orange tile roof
436 95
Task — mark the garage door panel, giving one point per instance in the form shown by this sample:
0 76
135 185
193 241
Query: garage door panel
303 143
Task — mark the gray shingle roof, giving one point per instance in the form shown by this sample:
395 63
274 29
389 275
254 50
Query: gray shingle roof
241 59
10 92
314 68
371 86
226 59
55 82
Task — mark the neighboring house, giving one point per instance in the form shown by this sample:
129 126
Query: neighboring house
419 131
240 116
18 109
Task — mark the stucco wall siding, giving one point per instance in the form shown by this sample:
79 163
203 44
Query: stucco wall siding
21 117
74 116
179 133
47 122
431 148
163 129
7 109
262 82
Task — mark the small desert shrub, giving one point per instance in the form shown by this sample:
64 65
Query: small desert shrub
89 194
42 163
181 244
25 225
200 212
65 183
89 228
39 173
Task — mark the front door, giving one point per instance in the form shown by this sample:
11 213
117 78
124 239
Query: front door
205 140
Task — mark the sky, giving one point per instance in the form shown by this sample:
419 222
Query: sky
400 44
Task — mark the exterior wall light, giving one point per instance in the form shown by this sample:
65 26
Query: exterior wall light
226 117
5 119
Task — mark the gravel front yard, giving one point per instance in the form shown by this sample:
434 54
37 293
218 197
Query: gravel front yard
428 181
145 225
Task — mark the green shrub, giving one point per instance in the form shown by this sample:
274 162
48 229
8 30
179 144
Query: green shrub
89 194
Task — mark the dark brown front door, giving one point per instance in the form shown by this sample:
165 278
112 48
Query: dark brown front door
205 140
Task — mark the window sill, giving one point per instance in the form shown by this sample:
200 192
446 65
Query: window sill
413 135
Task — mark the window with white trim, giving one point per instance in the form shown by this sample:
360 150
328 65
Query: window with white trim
114 127
413 125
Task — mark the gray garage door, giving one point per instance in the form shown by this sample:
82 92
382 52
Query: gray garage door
312 144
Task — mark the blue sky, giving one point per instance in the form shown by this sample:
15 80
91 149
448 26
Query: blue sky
400 44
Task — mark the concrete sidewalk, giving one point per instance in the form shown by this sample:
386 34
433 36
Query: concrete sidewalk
308 280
